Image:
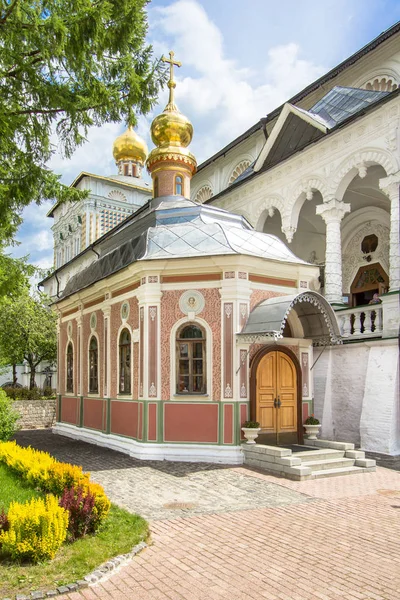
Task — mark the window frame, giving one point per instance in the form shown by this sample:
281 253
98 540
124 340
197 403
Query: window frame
181 184
69 369
93 378
192 360
125 370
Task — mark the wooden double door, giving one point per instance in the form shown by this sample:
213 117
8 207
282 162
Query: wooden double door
277 399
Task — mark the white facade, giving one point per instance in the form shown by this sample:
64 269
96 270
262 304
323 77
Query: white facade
78 225
45 374
327 201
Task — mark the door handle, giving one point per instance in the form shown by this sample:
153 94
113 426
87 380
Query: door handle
275 403
279 402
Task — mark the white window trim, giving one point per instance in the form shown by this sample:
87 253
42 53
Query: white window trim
69 341
173 366
118 393
93 394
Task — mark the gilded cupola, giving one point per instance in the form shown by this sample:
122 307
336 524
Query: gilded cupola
170 163
130 152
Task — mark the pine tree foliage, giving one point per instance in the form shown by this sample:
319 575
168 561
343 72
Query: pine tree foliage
65 65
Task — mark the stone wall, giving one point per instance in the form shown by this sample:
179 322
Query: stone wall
356 389
36 414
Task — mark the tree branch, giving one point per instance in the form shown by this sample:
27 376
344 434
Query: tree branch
8 12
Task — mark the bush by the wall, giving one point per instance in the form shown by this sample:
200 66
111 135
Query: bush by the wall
8 417
36 529
24 393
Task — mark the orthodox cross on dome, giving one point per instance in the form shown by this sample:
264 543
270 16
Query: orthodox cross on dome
171 83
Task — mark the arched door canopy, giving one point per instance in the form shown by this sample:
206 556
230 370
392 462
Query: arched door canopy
317 318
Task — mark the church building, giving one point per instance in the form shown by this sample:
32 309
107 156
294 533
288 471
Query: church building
241 289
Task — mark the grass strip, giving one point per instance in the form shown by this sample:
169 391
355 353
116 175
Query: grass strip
13 487
119 533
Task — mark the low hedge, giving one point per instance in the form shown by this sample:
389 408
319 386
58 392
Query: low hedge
24 393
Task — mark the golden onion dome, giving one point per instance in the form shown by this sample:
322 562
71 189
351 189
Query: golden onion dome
130 146
171 128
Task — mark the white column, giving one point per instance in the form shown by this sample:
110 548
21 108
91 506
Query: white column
332 213
391 186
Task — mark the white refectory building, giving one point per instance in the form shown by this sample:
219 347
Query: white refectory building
322 172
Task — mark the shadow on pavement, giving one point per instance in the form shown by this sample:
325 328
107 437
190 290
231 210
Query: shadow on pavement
96 458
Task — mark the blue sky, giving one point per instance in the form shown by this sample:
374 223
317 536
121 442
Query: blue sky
240 61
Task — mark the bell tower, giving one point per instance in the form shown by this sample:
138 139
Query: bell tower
170 163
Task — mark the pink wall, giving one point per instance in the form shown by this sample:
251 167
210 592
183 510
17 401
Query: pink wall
191 422
170 314
70 410
93 413
124 418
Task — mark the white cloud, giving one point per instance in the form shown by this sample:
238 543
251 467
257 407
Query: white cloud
229 97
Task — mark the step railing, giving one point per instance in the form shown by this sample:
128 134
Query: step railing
360 322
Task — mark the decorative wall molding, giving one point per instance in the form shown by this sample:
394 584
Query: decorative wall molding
353 257
191 301
204 194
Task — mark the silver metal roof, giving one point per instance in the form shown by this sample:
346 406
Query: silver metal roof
315 314
173 227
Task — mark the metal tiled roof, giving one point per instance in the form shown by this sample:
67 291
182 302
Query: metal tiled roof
176 228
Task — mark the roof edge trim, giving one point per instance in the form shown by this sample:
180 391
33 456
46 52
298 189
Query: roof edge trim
288 109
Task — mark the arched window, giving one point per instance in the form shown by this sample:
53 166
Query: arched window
93 366
191 360
155 187
133 170
126 169
125 362
179 185
70 368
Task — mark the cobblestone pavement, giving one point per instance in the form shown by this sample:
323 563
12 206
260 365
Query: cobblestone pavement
335 538
177 489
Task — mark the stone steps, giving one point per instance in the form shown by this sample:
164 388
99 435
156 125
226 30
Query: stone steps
342 471
314 455
329 460
329 464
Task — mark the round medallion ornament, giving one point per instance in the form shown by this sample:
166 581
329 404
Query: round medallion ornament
93 321
69 329
191 301
125 311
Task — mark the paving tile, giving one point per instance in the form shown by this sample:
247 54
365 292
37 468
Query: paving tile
250 535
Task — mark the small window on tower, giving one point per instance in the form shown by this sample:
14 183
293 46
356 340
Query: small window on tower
134 173
155 185
178 185
126 170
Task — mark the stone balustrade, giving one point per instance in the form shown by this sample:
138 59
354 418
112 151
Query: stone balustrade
360 322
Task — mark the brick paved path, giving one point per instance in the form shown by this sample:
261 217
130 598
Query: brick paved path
329 539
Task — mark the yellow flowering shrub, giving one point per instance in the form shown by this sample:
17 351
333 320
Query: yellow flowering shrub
36 529
45 472
32 464
101 503
63 475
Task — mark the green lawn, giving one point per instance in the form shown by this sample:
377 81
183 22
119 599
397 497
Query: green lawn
119 534
12 487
